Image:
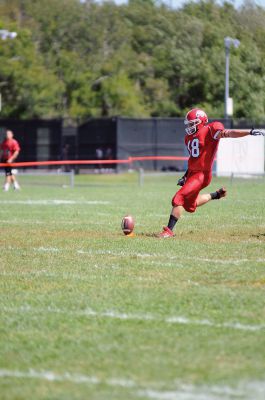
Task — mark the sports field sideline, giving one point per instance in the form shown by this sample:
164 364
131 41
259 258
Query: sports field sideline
87 313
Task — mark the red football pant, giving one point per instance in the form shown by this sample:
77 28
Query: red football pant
188 194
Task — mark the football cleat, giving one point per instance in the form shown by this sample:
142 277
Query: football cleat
221 192
166 233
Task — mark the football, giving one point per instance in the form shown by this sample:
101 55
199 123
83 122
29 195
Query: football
127 224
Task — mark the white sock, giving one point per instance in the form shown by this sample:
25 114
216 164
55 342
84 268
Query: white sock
16 185
6 186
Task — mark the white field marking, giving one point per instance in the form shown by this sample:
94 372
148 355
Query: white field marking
180 394
163 264
66 376
243 391
206 322
47 249
23 221
177 258
190 392
55 222
224 262
172 320
53 202
116 253
143 255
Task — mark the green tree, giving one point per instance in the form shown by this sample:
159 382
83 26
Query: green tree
78 60
28 89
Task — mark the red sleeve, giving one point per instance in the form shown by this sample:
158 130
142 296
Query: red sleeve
215 128
16 146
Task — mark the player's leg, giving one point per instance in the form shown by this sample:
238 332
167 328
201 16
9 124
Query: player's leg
177 211
205 198
7 179
15 182
175 215
184 199
7 184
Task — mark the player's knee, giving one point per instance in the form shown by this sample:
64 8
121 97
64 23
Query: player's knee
177 200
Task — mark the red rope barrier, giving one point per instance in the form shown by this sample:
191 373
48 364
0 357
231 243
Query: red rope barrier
90 162
161 158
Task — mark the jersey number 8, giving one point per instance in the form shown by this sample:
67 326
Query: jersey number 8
193 148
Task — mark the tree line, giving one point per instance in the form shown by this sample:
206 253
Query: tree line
79 59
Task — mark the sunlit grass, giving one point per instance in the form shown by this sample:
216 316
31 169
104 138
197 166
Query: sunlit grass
59 260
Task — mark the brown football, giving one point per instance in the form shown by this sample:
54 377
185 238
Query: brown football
127 224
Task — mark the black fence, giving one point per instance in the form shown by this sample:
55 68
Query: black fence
151 137
97 139
39 139
104 138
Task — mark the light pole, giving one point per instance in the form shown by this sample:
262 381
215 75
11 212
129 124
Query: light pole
5 34
228 43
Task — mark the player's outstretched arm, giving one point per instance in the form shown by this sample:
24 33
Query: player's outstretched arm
232 133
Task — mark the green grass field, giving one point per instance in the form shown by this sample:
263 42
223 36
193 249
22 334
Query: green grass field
87 313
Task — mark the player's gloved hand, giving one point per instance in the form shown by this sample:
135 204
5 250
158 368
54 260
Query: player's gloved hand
182 180
257 132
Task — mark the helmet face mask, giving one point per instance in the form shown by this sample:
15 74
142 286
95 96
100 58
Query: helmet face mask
191 126
194 119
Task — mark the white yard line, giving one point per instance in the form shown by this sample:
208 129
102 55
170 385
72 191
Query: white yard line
243 391
123 316
164 257
47 249
55 222
54 202
66 376
22 221
180 394
117 253
124 254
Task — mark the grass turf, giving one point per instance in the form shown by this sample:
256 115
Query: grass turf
79 297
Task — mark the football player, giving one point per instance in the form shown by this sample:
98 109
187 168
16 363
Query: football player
10 150
201 140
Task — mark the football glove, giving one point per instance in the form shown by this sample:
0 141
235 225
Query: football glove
182 180
257 132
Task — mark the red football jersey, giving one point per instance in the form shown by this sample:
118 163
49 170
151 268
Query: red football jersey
202 147
9 147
